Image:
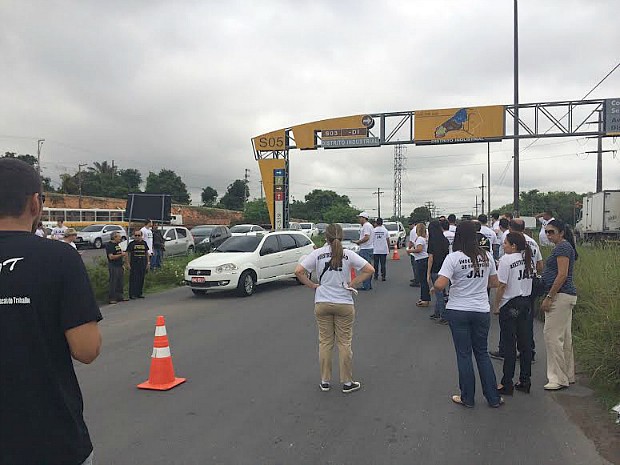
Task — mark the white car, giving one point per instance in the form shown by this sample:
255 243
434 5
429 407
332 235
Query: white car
247 230
348 236
98 235
397 233
309 229
242 262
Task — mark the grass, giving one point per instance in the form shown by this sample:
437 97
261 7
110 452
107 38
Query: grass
170 275
596 318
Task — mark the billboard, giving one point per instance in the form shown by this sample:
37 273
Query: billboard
612 116
456 125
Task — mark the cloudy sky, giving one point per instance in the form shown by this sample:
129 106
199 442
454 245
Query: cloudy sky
185 85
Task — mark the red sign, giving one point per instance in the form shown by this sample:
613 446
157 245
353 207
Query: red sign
279 196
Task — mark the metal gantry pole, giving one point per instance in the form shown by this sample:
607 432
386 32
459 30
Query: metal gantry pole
489 178
515 201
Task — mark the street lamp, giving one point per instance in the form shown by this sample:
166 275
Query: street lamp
39 145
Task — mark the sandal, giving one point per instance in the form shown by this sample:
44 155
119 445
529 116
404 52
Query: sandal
458 400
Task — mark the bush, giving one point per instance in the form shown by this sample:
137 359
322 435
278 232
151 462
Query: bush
596 318
170 275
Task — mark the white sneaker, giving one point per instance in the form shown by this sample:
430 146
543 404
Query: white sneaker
554 387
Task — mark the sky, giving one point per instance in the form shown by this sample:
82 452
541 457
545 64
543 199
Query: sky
185 85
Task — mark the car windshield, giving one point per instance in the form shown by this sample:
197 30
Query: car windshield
240 244
201 231
391 226
93 228
241 228
350 234
306 225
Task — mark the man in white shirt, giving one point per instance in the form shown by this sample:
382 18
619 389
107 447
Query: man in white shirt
380 247
503 232
495 221
147 235
452 222
489 234
58 231
365 242
544 219
415 282
447 233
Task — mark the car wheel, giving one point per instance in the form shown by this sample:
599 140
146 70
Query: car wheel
98 243
199 292
190 250
246 285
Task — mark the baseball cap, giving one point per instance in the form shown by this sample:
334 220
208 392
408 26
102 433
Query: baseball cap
70 232
364 214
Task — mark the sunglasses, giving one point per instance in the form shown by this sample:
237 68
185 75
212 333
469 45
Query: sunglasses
549 232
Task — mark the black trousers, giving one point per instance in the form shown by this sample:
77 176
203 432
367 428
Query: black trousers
136 279
379 259
514 323
115 288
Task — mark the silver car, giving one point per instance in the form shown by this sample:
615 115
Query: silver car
179 241
97 235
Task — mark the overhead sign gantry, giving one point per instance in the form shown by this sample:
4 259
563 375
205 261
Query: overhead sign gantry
432 127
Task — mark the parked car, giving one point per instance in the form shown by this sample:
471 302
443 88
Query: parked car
294 226
201 231
321 227
397 233
97 235
214 237
243 262
348 236
247 230
179 241
309 229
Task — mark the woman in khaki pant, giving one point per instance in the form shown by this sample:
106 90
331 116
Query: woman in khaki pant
333 309
558 306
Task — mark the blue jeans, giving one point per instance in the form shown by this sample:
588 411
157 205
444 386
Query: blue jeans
416 279
156 258
366 254
422 270
470 331
440 299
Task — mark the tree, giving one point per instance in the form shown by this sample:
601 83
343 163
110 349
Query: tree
420 214
533 202
167 182
340 213
319 201
131 179
235 195
68 184
256 212
208 196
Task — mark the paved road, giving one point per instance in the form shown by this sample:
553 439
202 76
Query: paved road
252 394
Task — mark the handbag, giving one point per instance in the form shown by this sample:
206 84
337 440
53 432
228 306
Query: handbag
538 287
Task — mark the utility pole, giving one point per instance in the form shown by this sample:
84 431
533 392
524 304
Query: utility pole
476 206
379 193
246 182
489 178
39 145
432 208
515 201
599 155
261 189
80 183
482 198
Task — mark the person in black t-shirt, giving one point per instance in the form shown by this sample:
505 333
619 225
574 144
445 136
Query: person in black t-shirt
438 249
45 320
483 241
137 261
159 245
115 268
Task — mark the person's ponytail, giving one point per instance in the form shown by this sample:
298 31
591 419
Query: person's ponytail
333 236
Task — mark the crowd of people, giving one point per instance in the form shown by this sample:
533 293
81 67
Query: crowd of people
459 265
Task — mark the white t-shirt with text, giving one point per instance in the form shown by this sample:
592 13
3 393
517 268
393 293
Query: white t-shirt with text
332 282
379 242
147 235
58 232
367 230
452 228
423 254
468 288
489 234
511 271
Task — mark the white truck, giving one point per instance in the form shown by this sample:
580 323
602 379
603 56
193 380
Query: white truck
600 216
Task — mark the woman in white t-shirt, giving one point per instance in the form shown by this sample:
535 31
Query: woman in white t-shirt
333 302
419 251
470 270
380 248
512 303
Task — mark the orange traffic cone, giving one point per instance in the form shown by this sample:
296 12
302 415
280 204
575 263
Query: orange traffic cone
395 255
161 376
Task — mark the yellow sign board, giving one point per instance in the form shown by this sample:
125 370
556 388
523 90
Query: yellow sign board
454 125
267 165
305 134
270 142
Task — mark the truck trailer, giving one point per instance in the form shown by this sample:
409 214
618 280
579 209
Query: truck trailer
600 217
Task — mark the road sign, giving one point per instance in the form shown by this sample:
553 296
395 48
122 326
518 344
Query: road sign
349 143
612 116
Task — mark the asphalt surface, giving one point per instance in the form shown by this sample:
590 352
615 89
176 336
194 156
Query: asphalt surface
252 393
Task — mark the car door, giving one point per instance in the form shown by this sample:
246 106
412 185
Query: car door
106 234
171 243
182 239
270 258
290 255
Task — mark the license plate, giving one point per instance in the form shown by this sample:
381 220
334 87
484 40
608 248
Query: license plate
198 279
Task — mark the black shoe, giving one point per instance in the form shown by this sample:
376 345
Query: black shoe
496 355
442 321
434 317
383 278
132 297
354 386
523 387
324 387
414 285
376 277
141 297
506 390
